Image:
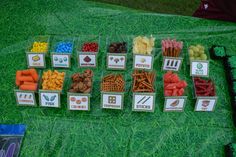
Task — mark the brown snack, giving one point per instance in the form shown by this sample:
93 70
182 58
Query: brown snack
143 81
118 47
82 83
113 83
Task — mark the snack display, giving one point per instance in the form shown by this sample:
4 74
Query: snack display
173 86
171 48
143 81
197 52
90 47
143 45
118 47
113 83
27 79
64 47
39 47
82 83
52 80
204 87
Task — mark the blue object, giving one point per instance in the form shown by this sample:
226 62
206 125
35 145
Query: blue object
64 47
15 129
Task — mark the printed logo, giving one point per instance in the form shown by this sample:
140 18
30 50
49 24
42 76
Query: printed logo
88 60
112 101
50 99
78 102
25 98
116 61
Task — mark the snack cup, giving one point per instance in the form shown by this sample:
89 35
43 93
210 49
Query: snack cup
174 103
115 60
51 98
37 59
172 63
144 101
204 103
143 61
61 59
198 67
78 101
112 99
87 59
27 97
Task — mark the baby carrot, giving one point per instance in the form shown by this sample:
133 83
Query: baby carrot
18 75
32 87
26 72
34 74
26 79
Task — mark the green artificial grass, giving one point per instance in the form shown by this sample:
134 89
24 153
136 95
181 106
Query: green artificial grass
59 132
232 61
233 72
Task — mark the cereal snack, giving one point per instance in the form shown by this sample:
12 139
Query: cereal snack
113 83
53 80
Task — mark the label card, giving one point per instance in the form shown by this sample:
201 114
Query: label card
174 103
206 104
116 61
87 59
60 60
143 62
199 68
36 60
78 101
49 98
172 63
112 100
143 102
25 98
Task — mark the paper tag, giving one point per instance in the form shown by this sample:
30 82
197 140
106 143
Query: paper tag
143 102
36 60
60 60
116 61
77 101
49 99
174 103
205 104
143 62
87 59
199 68
171 63
25 98
112 100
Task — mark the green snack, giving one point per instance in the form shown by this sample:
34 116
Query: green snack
197 52
219 51
203 57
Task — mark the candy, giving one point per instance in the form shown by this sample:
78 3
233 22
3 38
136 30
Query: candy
90 47
172 48
143 45
204 87
197 52
82 83
143 81
39 47
64 47
113 83
118 47
27 79
53 80
173 86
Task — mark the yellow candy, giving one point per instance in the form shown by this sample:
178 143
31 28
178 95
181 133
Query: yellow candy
40 47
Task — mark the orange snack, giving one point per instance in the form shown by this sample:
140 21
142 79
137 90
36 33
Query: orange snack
18 74
143 81
32 86
26 79
53 80
113 83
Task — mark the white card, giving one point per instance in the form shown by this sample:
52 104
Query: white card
36 60
87 60
116 61
172 64
61 60
78 102
25 98
199 68
174 104
112 101
49 99
205 104
143 102
143 62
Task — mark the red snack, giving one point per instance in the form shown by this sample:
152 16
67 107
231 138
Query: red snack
173 86
90 47
204 87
